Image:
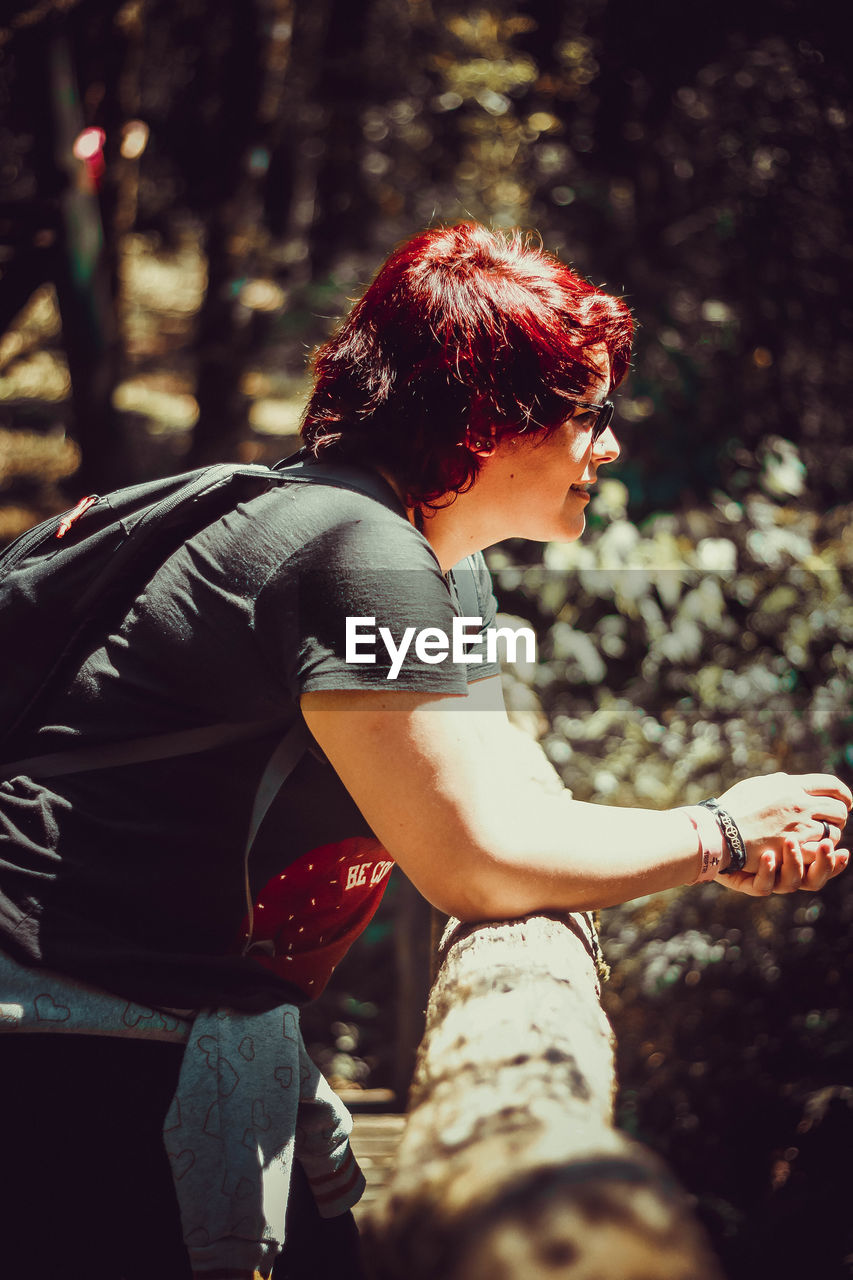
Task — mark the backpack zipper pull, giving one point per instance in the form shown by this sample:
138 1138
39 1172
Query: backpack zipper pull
83 505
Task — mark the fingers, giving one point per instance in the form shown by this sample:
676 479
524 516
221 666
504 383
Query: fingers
830 810
830 829
827 863
791 871
790 877
842 861
809 849
764 880
826 784
812 843
740 882
759 885
798 872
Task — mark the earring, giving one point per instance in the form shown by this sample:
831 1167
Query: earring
484 447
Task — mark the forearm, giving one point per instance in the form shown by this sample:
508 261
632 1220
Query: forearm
555 853
479 822
527 845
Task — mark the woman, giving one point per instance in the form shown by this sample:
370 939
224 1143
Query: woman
467 393
475 373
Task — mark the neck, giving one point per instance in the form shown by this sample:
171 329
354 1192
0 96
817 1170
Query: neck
454 532
469 522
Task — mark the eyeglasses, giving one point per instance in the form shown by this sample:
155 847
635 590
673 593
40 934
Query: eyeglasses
604 415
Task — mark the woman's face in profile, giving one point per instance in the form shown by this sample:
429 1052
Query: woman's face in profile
542 486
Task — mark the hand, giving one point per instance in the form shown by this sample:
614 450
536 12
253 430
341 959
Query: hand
784 820
789 872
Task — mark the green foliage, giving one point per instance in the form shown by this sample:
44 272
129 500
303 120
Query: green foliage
734 1041
677 658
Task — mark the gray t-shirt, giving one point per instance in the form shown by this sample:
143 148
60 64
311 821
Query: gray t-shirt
132 877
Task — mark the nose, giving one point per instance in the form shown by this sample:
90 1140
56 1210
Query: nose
606 447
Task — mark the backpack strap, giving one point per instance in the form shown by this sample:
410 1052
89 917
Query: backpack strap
198 484
463 586
284 759
302 468
157 746
279 767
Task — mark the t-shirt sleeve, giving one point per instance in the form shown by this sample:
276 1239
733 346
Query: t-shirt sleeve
363 605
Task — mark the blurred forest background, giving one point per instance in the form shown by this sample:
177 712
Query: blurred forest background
191 193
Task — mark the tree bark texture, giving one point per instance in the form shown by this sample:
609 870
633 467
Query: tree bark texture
509 1167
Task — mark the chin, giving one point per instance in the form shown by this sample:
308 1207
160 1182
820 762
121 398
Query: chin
564 531
570 528
565 526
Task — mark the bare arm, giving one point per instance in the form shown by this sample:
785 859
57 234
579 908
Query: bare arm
446 785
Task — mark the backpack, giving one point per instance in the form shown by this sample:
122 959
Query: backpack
65 581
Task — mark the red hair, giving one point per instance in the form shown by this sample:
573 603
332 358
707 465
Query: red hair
463 329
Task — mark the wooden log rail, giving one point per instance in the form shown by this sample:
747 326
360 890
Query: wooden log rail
509 1166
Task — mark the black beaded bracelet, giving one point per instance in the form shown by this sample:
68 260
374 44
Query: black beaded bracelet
731 835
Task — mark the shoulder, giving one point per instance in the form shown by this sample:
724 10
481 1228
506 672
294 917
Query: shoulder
328 523
346 555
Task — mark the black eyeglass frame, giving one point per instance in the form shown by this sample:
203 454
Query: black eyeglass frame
605 409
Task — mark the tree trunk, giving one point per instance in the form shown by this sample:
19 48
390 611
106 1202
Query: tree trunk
78 260
510 1166
232 69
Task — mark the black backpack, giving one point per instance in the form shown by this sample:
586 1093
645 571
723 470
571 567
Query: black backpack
63 582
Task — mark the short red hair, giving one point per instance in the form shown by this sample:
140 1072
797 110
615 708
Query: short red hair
462 329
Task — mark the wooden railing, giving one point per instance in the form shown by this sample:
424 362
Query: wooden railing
509 1167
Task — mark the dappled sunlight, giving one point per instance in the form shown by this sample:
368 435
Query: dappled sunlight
161 400
40 376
